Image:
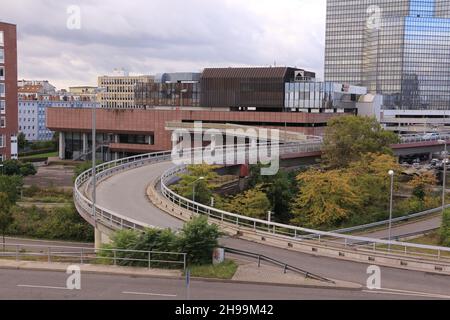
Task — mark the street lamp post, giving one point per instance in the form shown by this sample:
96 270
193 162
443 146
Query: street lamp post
1 166
391 174
269 219
193 187
94 150
444 179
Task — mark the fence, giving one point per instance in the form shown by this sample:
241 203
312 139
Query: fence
86 255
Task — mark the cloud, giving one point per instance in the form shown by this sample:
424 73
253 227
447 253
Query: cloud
154 36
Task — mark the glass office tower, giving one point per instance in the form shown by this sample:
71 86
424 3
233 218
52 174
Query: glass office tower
400 49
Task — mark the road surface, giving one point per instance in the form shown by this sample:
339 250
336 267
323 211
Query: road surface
125 194
48 285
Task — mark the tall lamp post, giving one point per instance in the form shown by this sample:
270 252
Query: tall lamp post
391 202
94 151
193 187
444 179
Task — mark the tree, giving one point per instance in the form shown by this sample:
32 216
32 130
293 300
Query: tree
370 176
22 141
190 183
347 138
16 167
252 203
445 229
280 192
11 185
6 217
422 185
325 198
199 239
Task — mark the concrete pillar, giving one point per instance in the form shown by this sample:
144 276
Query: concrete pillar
85 143
62 146
98 238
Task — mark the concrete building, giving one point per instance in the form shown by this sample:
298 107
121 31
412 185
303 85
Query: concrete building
399 49
120 89
33 103
266 97
8 92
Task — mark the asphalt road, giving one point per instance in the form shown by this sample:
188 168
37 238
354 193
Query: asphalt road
125 193
46 285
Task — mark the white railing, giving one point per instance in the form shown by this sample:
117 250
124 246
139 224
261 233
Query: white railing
117 221
293 233
411 138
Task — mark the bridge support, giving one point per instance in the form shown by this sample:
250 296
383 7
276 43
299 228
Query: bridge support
62 146
101 238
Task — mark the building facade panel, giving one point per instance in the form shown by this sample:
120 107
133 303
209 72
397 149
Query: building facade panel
8 91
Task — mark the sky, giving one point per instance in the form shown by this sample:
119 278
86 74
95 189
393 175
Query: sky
72 42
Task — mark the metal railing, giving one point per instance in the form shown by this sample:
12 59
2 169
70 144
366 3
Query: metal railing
283 265
410 138
291 233
395 220
87 255
299 234
117 221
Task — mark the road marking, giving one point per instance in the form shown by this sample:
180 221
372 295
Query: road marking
408 293
150 294
41 287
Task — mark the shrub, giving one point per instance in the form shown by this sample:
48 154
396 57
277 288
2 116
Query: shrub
445 229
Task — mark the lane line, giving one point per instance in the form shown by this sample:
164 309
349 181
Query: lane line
408 293
150 294
41 287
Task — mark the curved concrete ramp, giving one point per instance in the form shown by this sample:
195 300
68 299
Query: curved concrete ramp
119 193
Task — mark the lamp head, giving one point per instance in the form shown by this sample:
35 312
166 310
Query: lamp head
391 172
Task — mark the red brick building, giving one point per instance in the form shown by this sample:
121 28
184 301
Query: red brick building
8 91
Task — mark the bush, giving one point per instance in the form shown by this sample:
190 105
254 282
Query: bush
16 167
54 224
445 229
197 239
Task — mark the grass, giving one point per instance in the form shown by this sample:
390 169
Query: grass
225 270
41 155
431 239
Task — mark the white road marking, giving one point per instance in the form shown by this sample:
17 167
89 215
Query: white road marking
41 287
150 294
408 293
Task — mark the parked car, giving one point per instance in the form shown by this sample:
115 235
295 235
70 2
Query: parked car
429 136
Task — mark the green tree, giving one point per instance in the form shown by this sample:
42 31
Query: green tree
11 185
445 229
190 183
347 138
198 239
281 192
16 167
22 141
251 203
325 199
6 218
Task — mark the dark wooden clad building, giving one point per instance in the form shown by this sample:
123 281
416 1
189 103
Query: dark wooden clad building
243 88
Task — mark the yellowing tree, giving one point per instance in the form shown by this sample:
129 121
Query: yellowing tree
252 203
422 185
325 198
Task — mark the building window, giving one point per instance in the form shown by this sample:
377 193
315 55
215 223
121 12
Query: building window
2 43
2 107
2 55
2 141
2 73
2 122
2 89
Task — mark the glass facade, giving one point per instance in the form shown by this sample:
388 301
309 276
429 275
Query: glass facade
400 49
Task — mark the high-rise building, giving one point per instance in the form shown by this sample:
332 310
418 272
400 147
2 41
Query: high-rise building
400 49
120 87
8 91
